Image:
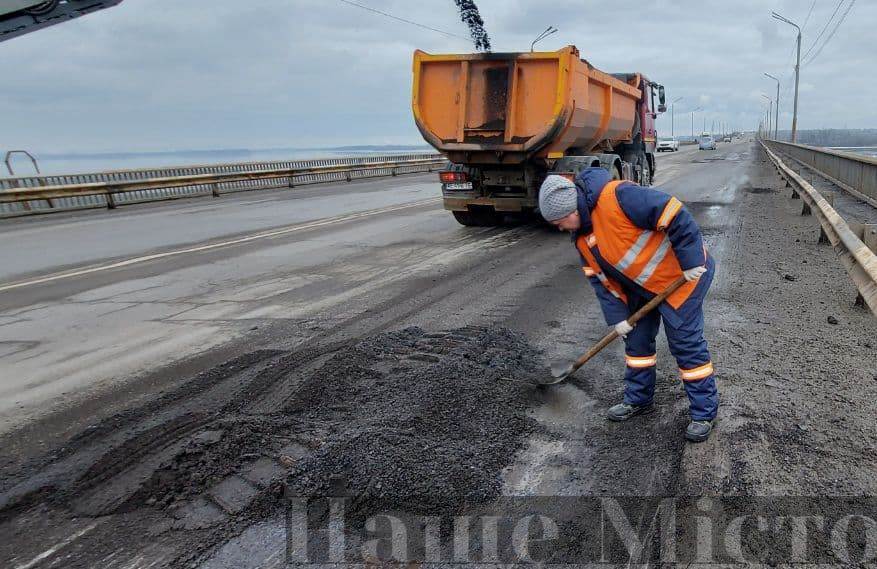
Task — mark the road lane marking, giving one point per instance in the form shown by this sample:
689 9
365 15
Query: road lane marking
246 239
52 550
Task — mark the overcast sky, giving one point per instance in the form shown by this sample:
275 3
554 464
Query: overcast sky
173 74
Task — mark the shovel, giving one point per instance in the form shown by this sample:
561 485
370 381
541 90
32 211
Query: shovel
560 371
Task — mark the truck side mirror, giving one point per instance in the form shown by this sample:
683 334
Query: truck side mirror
661 98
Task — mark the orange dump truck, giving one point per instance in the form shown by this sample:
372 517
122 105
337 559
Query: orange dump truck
506 120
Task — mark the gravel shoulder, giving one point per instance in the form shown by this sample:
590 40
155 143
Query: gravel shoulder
798 369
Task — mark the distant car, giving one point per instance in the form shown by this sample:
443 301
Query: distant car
707 143
726 139
668 144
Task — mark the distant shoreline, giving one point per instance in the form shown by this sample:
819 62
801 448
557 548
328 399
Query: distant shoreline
870 151
81 163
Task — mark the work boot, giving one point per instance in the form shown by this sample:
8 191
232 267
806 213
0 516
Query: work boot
698 431
624 411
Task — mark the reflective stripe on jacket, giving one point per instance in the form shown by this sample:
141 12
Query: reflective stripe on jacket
592 268
645 256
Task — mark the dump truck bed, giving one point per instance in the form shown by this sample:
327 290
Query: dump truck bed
512 107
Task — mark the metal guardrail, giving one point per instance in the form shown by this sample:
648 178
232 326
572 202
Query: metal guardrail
858 259
854 173
27 195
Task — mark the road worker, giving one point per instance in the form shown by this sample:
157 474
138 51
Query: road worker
633 243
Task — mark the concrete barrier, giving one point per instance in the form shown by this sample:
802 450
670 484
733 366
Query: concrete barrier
854 173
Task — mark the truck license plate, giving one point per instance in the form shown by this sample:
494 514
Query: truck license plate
459 186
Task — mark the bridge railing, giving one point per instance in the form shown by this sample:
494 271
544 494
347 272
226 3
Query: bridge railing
854 173
857 257
26 195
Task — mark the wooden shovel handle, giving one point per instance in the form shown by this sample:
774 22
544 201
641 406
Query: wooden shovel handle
646 308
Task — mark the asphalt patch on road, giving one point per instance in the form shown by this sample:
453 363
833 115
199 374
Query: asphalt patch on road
419 422
422 422
405 420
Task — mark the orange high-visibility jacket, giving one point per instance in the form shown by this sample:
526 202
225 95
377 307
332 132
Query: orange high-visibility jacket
642 238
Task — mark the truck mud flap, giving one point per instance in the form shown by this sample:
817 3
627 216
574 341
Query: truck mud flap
511 205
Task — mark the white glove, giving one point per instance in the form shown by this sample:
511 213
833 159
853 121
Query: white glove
694 273
623 328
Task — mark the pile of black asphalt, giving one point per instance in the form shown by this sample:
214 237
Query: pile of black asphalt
419 422
408 420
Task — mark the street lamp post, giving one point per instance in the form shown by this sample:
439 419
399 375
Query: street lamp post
692 121
797 74
672 116
776 122
769 112
548 31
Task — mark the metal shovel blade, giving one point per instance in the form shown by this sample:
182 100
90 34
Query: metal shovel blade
559 372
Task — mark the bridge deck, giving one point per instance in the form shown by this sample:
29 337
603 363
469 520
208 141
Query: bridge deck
106 362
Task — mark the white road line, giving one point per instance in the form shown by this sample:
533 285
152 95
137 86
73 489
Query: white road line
217 245
52 550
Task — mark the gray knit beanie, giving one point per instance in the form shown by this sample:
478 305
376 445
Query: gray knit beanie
557 197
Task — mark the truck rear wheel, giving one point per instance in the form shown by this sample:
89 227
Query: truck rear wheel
645 174
642 171
616 172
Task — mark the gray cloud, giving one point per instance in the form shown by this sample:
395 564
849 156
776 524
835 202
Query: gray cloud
166 74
